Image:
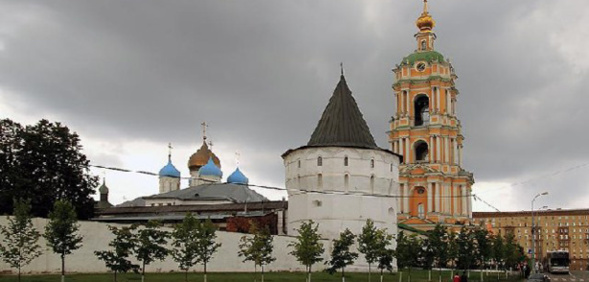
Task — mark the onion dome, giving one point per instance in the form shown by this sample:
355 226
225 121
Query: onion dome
237 177
169 171
103 189
201 157
210 169
425 22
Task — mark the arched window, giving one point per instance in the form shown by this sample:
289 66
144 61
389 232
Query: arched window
319 161
299 163
346 161
346 182
421 107
421 151
372 163
423 44
372 184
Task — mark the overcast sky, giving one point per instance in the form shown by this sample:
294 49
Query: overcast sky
131 76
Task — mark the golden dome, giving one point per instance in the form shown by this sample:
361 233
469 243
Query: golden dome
201 157
425 22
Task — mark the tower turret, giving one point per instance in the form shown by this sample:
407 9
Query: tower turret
169 176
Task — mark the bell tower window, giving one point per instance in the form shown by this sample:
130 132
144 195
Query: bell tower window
346 161
423 45
421 107
421 151
319 161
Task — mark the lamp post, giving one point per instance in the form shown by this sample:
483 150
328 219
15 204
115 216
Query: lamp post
534 233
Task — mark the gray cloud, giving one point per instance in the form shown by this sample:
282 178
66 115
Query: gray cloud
260 72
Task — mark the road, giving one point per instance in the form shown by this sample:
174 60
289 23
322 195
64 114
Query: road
574 276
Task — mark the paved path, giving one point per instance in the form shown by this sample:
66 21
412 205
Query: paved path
574 276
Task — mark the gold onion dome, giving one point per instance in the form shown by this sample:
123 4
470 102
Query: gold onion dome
425 22
201 157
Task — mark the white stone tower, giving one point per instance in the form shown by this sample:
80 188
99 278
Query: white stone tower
341 177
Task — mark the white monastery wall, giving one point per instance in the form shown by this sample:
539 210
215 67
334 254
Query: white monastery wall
97 236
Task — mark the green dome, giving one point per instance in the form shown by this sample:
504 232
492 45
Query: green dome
428 56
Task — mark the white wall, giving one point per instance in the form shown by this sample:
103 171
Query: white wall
97 236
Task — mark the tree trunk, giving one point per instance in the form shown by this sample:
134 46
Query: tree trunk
142 272
62 267
205 265
400 275
115 276
409 277
482 275
186 275
439 274
381 271
19 273
429 275
262 266
343 274
255 272
368 272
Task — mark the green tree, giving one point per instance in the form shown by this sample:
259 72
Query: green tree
467 248
123 246
341 255
206 246
408 251
498 251
185 243
151 243
19 243
513 251
452 250
307 249
257 248
386 255
61 231
10 178
369 244
438 247
44 163
483 247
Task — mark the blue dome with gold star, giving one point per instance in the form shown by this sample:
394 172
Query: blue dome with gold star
237 177
210 169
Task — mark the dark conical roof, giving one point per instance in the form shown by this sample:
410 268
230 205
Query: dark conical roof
342 123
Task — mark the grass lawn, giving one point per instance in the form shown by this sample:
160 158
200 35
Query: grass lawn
416 276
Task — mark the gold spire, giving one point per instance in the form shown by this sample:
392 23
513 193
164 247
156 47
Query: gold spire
425 22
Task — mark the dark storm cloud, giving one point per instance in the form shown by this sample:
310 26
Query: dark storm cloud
261 72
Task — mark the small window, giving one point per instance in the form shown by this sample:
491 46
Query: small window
346 161
299 163
423 44
319 181
319 161
372 163
391 167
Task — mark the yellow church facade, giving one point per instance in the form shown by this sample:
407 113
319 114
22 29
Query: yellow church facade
426 131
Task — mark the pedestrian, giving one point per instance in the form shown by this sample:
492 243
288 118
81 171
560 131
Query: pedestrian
527 271
456 278
463 278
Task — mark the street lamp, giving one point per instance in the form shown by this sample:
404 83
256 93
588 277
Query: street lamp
534 233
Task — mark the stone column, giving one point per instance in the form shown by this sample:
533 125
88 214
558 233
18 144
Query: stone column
438 149
445 145
463 194
438 100
408 103
429 197
430 147
406 198
460 155
408 149
455 149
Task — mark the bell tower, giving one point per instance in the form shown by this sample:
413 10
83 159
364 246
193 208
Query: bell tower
425 130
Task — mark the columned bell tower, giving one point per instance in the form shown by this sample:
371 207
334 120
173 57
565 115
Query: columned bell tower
426 131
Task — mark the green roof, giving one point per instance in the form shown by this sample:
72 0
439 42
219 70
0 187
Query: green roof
412 229
428 56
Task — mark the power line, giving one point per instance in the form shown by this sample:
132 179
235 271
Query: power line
326 192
